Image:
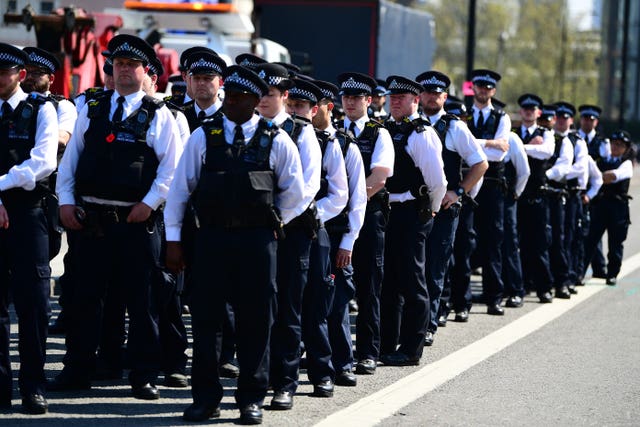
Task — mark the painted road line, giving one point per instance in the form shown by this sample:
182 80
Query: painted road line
372 409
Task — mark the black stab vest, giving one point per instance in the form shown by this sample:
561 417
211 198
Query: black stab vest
406 175
620 188
496 170
451 159
236 189
117 163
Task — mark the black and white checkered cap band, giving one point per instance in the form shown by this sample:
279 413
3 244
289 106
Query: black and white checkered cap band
41 61
326 93
433 81
246 63
271 80
126 47
351 83
589 112
564 110
529 101
395 85
236 79
297 92
209 65
12 59
485 78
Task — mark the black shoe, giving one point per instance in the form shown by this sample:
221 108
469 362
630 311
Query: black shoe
442 321
346 379
228 370
599 274
323 389
514 302
67 382
612 281
563 292
462 316
580 281
201 412
398 359
428 339
251 414
545 297
34 404
353 306
176 380
145 392
495 310
572 290
282 401
366 367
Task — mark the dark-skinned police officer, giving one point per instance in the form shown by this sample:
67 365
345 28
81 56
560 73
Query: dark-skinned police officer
416 191
458 145
244 177
29 136
115 173
376 148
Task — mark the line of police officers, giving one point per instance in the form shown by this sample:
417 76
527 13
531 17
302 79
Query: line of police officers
267 216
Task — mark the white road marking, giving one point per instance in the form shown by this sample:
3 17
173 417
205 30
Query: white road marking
372 409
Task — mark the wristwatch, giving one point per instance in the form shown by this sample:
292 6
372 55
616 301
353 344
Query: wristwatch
460 191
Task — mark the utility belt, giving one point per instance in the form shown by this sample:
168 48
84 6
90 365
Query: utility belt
501 183
573 191
619 197
307 220
96 217
550 191
422 204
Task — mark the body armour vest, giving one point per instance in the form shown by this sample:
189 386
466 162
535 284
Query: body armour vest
366 142
236 186
18 136
406 176
593 146
117 163
189 111
538 177
451 159
293 127
620 188
339 223
496 170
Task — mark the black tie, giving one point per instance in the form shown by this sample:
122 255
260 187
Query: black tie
202 115
238 138
480 121
117 115
352 129
6 110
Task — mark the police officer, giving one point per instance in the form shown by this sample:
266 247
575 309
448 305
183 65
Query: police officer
115 173
556 193
376 148
458 144
517 173
576 183
245 177
599 147
330 201
490 125
533 206
184 70
294 251
379 94
41 69
343 231
178 89
416 191
205 72
29 135
593 187
610 208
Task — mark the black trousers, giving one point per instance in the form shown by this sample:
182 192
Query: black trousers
610 215
511 264
460 269
574 236
316 306
535 238
368 272
405 300
239 267
24 275
489 224
339 321
558 256
292 276
439 251
123 259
